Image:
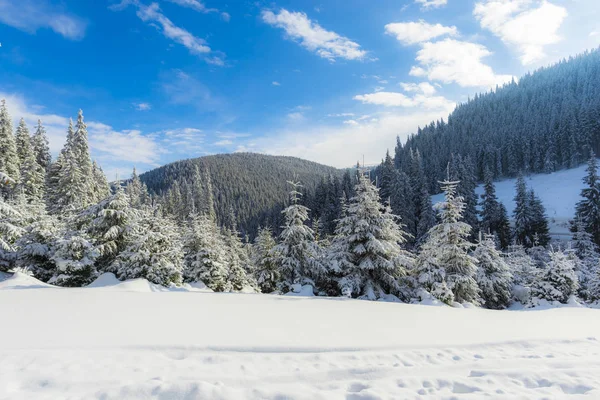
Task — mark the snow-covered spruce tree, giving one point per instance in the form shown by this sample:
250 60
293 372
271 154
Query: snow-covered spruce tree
493 274
430 276
10 231
494 219
153 252
37 245
81 154
204 254
370 259
40 146
297 253
110 224
588 209
558 282
522 266
447 242
263 260
539 223
9 160
32 174
522 214
238 263
100 186
589 259
462 170
74 256
137 191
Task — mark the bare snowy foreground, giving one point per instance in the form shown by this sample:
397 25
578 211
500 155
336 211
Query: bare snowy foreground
135 340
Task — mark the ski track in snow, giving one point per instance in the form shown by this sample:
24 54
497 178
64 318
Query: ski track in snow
130 341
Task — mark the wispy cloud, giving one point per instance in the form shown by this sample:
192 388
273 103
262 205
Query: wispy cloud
275 83
152 14
31 15
312 36
421 95
428 4
142 106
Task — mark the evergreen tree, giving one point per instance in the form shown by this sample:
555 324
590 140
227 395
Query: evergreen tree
539 228
588 209
369 257
100 186
493 274
462 170
238 263
9 160
37 245
297 252
10 230
388 178
40 146
589 259
74 258
559 281
111 224
153 252
522 214
32 174
204 254
137 191
493 214
448 247
263 259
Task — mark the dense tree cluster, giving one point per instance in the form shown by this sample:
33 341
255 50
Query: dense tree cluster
545 121
232 222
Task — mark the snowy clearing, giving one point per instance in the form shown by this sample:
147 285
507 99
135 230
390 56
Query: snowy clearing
128 340
559 191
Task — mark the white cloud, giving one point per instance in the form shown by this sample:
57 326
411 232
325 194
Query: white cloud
418 32
528 25
224 143
142 106
152 15
195 5
339 115
127 145
182 88
424 87
312 36
225 16
296 116
31 15
451 60
395 99
275 83
426 4
323 143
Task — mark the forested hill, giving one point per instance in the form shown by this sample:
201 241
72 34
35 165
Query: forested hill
253 185
546 121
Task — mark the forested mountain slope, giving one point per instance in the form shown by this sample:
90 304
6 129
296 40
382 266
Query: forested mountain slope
548 120
253 185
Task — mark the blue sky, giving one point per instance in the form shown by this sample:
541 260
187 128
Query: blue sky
324 80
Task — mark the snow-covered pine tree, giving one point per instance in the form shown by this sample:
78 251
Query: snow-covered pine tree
236 257
297 252
32 174
424 213
493 213
81 154
263 260
588 209
74 256
137 191
37 245
462 170
539 224
111 224
589 259
100 186
558 282
204 253
153 252
493 274
370 259
522 214
40 146
522 266
450 247
10 230
9 160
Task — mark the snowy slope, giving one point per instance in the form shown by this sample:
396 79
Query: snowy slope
131 342
559 192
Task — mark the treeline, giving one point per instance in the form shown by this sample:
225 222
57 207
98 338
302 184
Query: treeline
548 120
60 222
251 186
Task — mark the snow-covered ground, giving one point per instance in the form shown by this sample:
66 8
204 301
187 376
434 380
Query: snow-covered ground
134 340
559 192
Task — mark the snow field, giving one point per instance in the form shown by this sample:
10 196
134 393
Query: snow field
124 340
